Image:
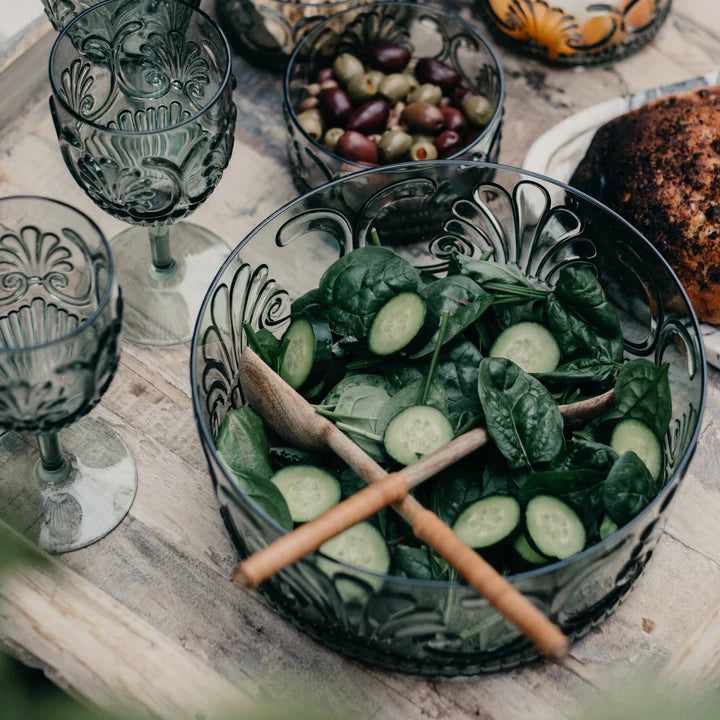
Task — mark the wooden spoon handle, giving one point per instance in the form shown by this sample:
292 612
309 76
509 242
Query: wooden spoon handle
289 548
486 581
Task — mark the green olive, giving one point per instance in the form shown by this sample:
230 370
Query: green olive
394 145
332 136
361 88
431 94
413 82
346 67
376 76
478 110
311 122
423 151
394 87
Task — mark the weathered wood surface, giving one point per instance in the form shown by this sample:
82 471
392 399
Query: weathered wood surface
165 571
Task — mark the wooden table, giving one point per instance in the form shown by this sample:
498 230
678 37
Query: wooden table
149 617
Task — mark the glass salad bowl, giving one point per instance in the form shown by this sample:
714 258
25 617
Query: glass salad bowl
424 31
427 213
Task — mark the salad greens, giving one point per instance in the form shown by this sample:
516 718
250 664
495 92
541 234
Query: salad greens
573 487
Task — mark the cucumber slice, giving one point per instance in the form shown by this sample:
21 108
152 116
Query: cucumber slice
637 436
309 491
527 552
529 345
416 431
554 527
305 353
488 521
397 323
607 527
361 546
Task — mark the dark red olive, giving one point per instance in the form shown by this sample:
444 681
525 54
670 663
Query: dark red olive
370 117
325 74
355 146
430 70
459 96
454 119
335 106
448 142
423 116
389 58
473 135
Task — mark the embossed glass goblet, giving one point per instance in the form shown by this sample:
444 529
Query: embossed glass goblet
60 311
142 104
61 12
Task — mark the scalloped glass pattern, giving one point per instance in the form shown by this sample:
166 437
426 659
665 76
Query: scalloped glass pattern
426 32
424 214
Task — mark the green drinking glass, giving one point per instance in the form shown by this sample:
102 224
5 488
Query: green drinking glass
143 109
60 314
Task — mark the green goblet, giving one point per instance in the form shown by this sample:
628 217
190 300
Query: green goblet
142 104
60 312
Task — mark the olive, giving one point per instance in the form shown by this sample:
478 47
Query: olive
394 87
325 74
423 116
448 142
369 117
419 138
376 76
328 84
311 122
473 135
346 67
423 151
355 146
478 110
412 80
454 119
309 102
389 58
430 70
335 106
332 136
394 145
426 93
361 87
459 95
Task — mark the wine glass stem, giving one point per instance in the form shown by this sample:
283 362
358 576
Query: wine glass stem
160 248
54 463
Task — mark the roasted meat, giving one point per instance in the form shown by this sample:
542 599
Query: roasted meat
659 167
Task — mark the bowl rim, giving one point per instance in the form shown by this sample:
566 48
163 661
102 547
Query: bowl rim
552 568
497 114
112 275
55 94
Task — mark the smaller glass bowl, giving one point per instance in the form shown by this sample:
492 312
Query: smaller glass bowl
267 31
575 32
426 32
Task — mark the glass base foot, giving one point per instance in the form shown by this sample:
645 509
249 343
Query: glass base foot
161 307
73 507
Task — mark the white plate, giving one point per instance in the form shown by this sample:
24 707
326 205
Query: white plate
557 153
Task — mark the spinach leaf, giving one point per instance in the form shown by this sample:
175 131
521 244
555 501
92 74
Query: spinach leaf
561 482
580 370
284 456
352 381
357 285
488 271
457 370
412 562
520 414
454 491
350 483
242 447
642 392
628 489
582 454
407 397
461 298
360 405
264 343
309 305
499 479
398 376
581 319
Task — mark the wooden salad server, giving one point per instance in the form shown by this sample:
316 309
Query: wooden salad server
289 414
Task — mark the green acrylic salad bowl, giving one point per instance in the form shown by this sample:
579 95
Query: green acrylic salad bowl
426 213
